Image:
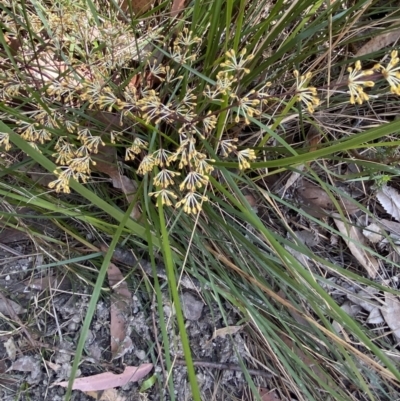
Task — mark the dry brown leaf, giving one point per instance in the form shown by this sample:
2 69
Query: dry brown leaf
104 381
110 394
318 203
121 302
293 178
224 331
121 255
351 310
380 41
391 226
177 7
367 298
106 162
44 283
8 307
14 44
11 349
47 68
26 364
306 359
314 200
353 237
267 395
5 379
391 313
389 198
54 366
373 232
375 317
9 235
138 6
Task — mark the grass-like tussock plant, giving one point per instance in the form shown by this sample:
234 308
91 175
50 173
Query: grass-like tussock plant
202 111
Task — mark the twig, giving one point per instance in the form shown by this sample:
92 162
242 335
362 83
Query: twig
225 366
11 250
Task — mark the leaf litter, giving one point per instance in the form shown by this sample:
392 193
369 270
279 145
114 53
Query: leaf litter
104 381
318 200
121 305
389 198
361 233
357 245
106 162
120 334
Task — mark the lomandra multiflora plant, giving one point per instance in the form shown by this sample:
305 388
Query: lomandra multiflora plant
174 120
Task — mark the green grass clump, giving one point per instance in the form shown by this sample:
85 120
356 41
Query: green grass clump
202 111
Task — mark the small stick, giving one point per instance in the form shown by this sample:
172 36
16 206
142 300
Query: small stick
225 366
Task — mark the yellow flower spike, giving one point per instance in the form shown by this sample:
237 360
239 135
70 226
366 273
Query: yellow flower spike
391 72
185 159
63 158
164 178
304 93
61 184
192 203
114 136
146 165
81 165
162 157
236 64
209 122
246 108
5 141
129 155
193 180
356 83
227 146
203 167
165 196
244 156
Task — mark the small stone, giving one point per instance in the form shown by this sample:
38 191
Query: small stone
141 354
192 307
72 326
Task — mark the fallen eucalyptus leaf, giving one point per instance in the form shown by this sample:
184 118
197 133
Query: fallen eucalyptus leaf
380 41
317 202
106 162
391 313
354 238
11 349
389 198
365 297
375 317
351 309
110 394
373 233
104 381
390 226
224 331
121 303
8 307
